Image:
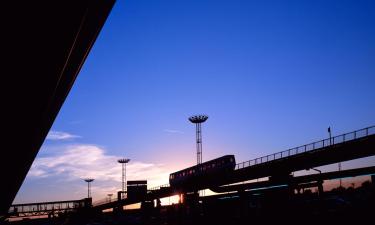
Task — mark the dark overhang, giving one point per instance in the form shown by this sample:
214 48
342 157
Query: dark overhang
45 44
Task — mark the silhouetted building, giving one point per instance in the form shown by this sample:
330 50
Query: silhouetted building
136 189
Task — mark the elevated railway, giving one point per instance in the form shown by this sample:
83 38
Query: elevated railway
279 166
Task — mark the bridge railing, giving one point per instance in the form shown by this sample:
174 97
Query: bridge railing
158 187
45 207
309 147
103 201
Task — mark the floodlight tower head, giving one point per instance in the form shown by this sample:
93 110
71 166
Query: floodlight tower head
88 180
198 120
123 160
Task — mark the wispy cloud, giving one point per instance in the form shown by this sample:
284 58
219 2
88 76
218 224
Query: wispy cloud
59 135
173 131
74 162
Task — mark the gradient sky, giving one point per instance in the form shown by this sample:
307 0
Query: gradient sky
270 75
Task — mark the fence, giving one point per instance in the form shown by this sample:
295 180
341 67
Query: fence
309 147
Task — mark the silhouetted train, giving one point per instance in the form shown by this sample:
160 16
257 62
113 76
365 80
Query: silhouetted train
211 171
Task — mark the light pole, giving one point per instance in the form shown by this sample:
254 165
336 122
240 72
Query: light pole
110 197
198 120
123 163
88 180
330 136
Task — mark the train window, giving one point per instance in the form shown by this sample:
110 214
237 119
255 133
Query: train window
231 159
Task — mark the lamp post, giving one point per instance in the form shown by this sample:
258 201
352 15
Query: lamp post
110 197
88 180
123 162
330 136
198 120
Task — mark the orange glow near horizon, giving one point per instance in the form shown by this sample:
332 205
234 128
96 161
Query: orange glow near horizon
133 206
175 199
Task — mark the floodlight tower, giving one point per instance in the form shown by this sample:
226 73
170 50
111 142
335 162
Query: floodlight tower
198 120
88 180
123 163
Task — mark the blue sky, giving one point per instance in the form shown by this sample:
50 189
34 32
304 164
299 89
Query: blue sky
269 74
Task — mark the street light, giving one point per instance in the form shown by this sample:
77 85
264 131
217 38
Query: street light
88 180
123 162
110 197
330 136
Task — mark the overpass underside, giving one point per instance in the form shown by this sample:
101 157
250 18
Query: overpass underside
45 44
354 149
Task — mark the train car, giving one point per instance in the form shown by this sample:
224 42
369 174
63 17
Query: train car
211 171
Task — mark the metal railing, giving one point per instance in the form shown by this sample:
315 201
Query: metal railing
309 147
44 208
103 201
107 200
158 187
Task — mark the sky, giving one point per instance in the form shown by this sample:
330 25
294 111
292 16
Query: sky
271 75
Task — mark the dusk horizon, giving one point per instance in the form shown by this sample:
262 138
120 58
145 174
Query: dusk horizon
270 75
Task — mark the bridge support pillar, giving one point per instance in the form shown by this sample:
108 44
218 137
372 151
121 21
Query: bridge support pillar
190 206
244 202
147 207
320 188
119 208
